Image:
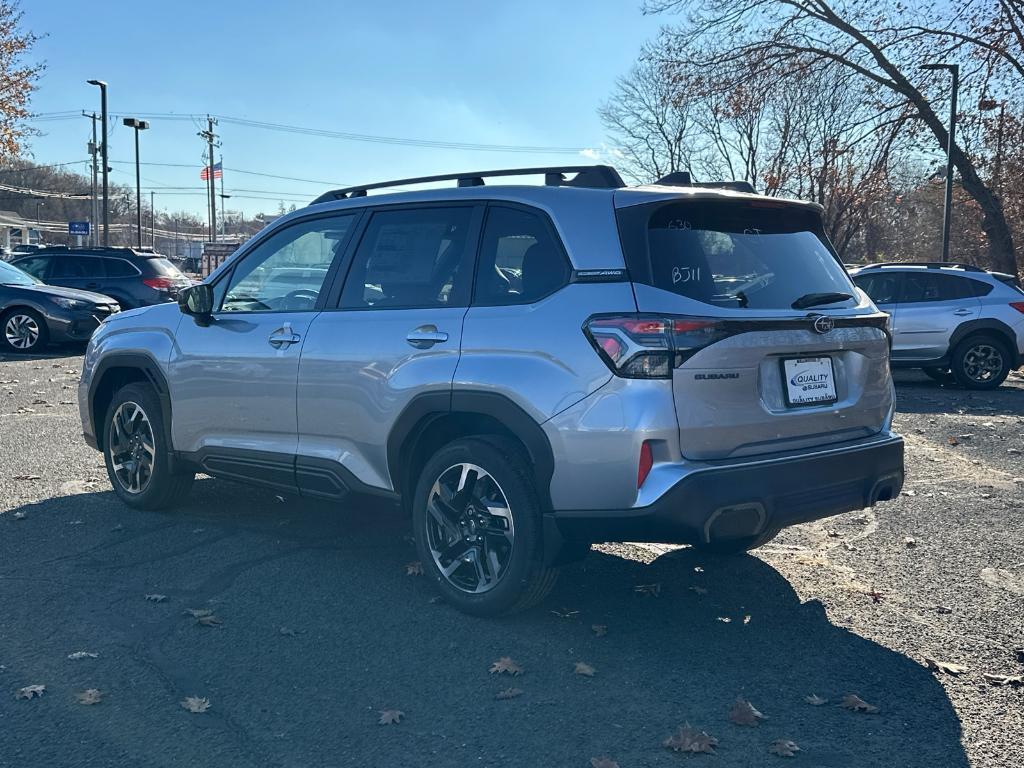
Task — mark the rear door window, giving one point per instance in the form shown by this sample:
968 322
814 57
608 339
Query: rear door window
414 257
120 268
165 268
521 260
37 266
733 254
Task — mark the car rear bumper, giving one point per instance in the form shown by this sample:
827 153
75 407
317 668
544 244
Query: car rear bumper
736 500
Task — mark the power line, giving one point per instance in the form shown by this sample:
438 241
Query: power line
344 135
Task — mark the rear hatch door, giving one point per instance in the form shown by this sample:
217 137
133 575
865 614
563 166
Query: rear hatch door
776 349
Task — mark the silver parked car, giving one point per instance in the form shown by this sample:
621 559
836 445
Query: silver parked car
527 369
954 321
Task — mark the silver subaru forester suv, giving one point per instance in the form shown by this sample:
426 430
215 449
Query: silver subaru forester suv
525 369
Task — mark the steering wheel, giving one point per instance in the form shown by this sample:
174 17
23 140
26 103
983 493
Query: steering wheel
301 295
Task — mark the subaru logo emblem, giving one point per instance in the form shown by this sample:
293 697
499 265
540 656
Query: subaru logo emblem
823 324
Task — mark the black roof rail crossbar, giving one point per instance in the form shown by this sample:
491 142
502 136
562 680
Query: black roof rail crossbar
928 264
685 179
593 176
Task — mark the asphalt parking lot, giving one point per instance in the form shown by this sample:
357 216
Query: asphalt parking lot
318 627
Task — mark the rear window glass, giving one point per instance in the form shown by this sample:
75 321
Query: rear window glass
734 255
164 267
120 268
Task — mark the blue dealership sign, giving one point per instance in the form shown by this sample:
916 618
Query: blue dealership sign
78 228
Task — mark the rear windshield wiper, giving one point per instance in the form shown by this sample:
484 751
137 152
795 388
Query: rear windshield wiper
817 299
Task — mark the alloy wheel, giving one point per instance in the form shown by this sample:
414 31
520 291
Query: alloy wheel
21 331
982 362
470 530
132 447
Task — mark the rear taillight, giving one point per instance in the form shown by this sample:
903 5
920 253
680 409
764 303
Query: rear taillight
646 462
1018 305
649 347
159 283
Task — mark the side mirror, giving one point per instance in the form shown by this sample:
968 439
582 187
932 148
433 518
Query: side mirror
197 300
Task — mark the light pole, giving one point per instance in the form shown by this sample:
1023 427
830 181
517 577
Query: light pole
106 166
223 210
988 105
138 125
39 233
947 208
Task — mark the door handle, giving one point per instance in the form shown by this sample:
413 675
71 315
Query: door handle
426 336
283 337
962 312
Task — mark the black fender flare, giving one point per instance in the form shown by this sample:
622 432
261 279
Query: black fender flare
424 409
990 326
151 372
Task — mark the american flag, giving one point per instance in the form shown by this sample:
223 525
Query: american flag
218 172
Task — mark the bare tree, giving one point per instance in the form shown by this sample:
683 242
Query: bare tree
649 122
17 79
883 47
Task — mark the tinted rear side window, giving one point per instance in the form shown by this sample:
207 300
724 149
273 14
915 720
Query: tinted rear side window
520 259
882 287
120 268
731 254
412 258
933 286
70 267
164 267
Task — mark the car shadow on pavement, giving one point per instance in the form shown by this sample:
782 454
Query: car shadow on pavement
321 628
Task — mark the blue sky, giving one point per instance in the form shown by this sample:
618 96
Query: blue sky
524 73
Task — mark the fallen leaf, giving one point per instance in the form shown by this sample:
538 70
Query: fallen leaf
832 533
195 704
198 613
855 703
944 666
508 693
952 440
815 700
390 716
599 630
20 515
209 620
723 619
156 598
744 713
505 666
651 590
582 668
565 613
603 762
415 568
90 696
1011 680
784 748
943 609
687 739
875 595
910 541
27 477
30 692
82 655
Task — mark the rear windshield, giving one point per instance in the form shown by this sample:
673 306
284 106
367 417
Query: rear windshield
732 254
164 267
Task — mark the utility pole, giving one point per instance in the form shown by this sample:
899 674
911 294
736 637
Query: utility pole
152 218
210 137
106 164
947 210
94 205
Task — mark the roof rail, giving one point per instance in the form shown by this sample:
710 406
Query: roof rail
685 179
927 264
594 176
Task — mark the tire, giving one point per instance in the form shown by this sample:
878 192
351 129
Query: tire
980 362
941 375
140 416
737 546
23 330
501 569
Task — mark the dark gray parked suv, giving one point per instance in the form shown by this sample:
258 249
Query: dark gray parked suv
527 369
133 278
